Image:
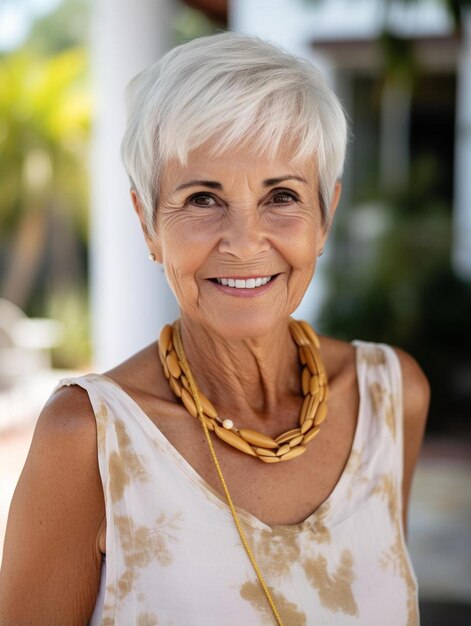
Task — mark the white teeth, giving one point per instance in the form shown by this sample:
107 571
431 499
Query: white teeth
239 283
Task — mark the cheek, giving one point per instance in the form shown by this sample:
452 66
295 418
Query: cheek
184 289
297 241
186 244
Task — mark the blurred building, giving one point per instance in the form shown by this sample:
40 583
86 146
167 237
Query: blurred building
394 126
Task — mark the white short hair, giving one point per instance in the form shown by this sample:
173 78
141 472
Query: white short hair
229 89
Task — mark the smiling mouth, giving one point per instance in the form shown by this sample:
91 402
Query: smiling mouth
241 283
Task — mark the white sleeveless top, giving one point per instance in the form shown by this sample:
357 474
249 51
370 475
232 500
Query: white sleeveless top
174 556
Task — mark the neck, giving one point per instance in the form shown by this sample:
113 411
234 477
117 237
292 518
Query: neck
257 378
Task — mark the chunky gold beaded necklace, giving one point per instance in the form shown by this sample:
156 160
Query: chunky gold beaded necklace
286 446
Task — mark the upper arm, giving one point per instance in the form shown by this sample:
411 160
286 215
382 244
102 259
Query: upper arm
416 399
51 564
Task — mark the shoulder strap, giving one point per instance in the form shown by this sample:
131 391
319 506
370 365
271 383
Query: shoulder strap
91 384
380 383
101 412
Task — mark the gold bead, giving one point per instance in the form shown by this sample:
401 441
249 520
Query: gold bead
269 459
306 425
165 339
172 364
283 449
309 332
295 441
292 454
189 403
208 408
234 440
257 439
289 434
311 434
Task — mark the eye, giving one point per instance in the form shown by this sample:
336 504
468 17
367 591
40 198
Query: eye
284 197
202 200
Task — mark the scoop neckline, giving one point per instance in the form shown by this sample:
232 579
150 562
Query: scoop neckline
324 509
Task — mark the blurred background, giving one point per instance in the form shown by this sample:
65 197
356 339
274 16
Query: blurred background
78 294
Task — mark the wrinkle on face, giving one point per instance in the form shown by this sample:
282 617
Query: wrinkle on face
242 230
242 205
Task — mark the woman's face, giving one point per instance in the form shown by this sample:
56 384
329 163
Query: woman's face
239 236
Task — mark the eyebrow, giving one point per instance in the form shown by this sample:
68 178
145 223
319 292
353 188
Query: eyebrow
213 184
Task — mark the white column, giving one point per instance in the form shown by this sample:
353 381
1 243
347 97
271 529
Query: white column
130 299
462 200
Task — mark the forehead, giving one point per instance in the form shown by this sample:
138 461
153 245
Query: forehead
236 164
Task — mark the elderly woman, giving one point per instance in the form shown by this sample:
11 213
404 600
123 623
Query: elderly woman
242 470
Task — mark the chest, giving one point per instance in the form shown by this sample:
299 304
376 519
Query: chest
345 572
277 494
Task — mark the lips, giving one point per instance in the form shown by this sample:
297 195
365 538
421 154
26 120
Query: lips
244 286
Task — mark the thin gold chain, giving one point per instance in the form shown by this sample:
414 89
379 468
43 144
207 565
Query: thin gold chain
194 389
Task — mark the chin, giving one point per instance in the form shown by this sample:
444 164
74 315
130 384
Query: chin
238 325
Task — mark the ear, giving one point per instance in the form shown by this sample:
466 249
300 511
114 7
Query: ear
332 208
152 244
335 199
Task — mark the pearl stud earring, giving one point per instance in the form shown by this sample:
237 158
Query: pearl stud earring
152 256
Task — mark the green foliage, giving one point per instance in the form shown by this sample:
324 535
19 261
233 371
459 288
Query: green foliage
397 53
377 285
66 27
45 119
45 109
190 24
396 285
71 308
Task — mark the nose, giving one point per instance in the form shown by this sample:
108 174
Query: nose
245 236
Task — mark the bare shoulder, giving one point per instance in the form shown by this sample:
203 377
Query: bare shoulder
416 387
65 438
66 422
54 519
67 408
